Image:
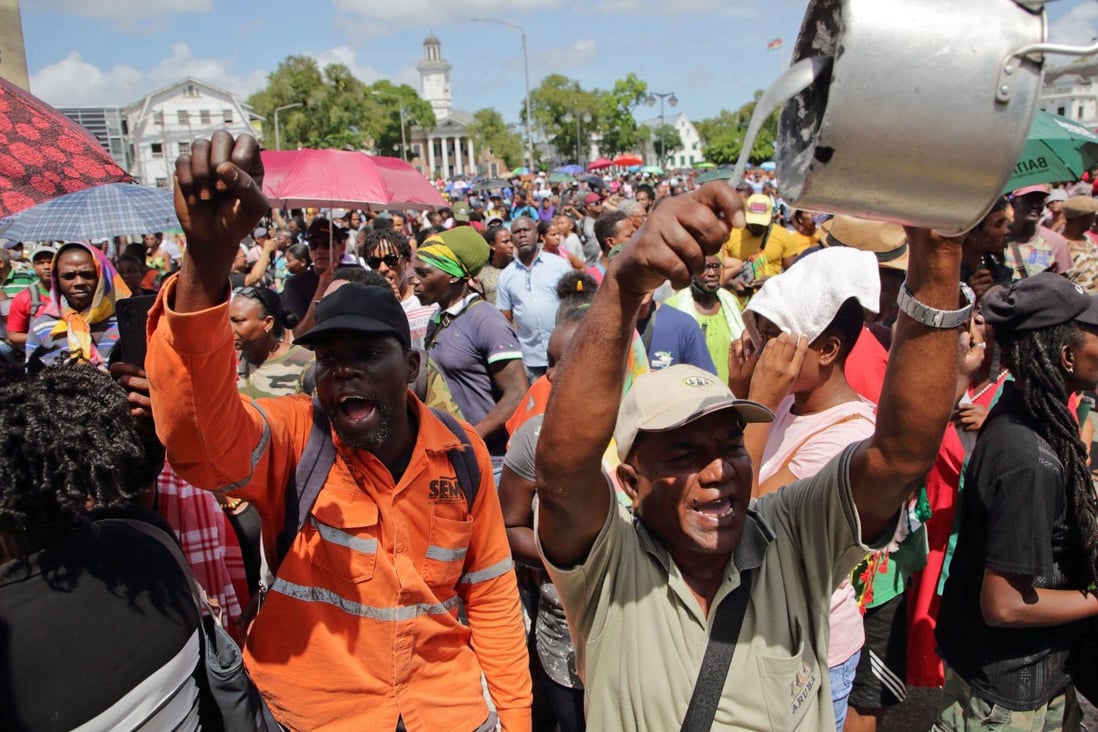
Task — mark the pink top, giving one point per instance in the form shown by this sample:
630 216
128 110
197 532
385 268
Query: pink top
807 443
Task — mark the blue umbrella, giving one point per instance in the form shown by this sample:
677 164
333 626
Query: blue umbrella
572 169
768 166
114 209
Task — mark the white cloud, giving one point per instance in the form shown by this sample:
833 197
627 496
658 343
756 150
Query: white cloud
72 81
578 53
1078 27
346 56
415 13
127 11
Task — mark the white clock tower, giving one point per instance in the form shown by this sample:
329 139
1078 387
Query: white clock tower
434 77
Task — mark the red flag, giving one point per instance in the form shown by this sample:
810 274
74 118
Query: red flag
774 45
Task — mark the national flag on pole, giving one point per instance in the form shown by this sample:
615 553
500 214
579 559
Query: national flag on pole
774 45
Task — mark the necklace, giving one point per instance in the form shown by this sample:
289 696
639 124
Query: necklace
990 384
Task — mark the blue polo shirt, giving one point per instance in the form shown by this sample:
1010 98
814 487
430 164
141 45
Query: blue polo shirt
530 293
677 338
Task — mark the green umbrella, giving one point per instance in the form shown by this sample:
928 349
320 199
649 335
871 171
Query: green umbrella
704 166
561 178
652 169
1057 149
715 174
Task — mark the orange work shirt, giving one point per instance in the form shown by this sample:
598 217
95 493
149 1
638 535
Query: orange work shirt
361 626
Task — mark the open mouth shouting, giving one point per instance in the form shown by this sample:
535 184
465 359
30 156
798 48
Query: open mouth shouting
719 512
357 409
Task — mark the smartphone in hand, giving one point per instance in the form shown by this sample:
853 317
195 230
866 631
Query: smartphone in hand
133 314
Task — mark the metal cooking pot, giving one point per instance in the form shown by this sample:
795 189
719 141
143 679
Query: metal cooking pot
923 112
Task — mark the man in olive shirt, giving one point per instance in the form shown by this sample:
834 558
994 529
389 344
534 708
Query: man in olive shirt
640 594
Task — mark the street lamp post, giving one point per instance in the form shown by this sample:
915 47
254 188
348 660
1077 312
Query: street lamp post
278 138
672 100
403 139
585 118
526 77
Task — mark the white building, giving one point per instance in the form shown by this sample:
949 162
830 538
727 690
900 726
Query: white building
163 123
1072 91
447 150
687 156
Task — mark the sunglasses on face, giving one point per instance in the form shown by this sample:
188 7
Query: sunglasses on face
389 260
712 265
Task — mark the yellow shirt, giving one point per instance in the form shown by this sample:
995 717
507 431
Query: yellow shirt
780 245
803 241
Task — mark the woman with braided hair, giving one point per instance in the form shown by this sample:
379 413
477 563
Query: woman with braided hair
1027 546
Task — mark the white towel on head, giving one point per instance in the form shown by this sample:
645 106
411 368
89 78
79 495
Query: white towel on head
806 298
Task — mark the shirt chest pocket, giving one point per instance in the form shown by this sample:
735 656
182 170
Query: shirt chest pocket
447 545
791 685
342 540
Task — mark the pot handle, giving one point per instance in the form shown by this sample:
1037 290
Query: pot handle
1004 89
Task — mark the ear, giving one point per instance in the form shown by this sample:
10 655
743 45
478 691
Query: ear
412 360
1067 358
628 478
829 350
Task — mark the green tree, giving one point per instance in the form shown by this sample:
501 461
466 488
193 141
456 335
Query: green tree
617 126
554 107
723 136
492 135
387 100
665 138
339 111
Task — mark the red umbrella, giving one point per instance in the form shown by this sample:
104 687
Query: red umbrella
408 186
44 154
345 179
600 164
628 159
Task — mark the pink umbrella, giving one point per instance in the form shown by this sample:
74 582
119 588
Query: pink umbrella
600 164
345 179
276 163
329 178
408 186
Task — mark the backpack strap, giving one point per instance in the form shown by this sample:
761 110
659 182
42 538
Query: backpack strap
464 460
718 657
309 477
319 455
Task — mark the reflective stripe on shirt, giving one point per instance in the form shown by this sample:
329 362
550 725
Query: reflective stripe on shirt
483 575
385 614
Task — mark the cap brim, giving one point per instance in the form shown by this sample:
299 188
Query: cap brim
758 219
1090 315
344 324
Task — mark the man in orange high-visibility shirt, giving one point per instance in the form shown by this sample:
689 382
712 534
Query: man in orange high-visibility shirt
360 630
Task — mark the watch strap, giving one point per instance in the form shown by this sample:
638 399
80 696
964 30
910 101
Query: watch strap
933 317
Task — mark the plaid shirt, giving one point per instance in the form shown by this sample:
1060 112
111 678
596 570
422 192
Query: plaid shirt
208 542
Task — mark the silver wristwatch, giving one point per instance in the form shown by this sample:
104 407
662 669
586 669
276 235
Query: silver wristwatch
944 319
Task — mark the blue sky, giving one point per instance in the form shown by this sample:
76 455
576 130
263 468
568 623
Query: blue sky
711 53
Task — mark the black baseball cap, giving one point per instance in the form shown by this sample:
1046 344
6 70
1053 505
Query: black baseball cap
1039 301
358 309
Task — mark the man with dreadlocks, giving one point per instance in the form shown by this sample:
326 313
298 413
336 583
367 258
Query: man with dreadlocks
1026 544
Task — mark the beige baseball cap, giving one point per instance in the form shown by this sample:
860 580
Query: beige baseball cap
672 397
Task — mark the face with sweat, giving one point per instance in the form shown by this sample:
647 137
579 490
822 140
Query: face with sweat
362 382
691 485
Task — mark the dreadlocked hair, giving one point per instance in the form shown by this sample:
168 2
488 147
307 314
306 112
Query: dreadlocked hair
66 439
1031 357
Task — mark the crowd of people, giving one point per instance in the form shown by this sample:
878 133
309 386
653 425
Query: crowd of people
627 454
